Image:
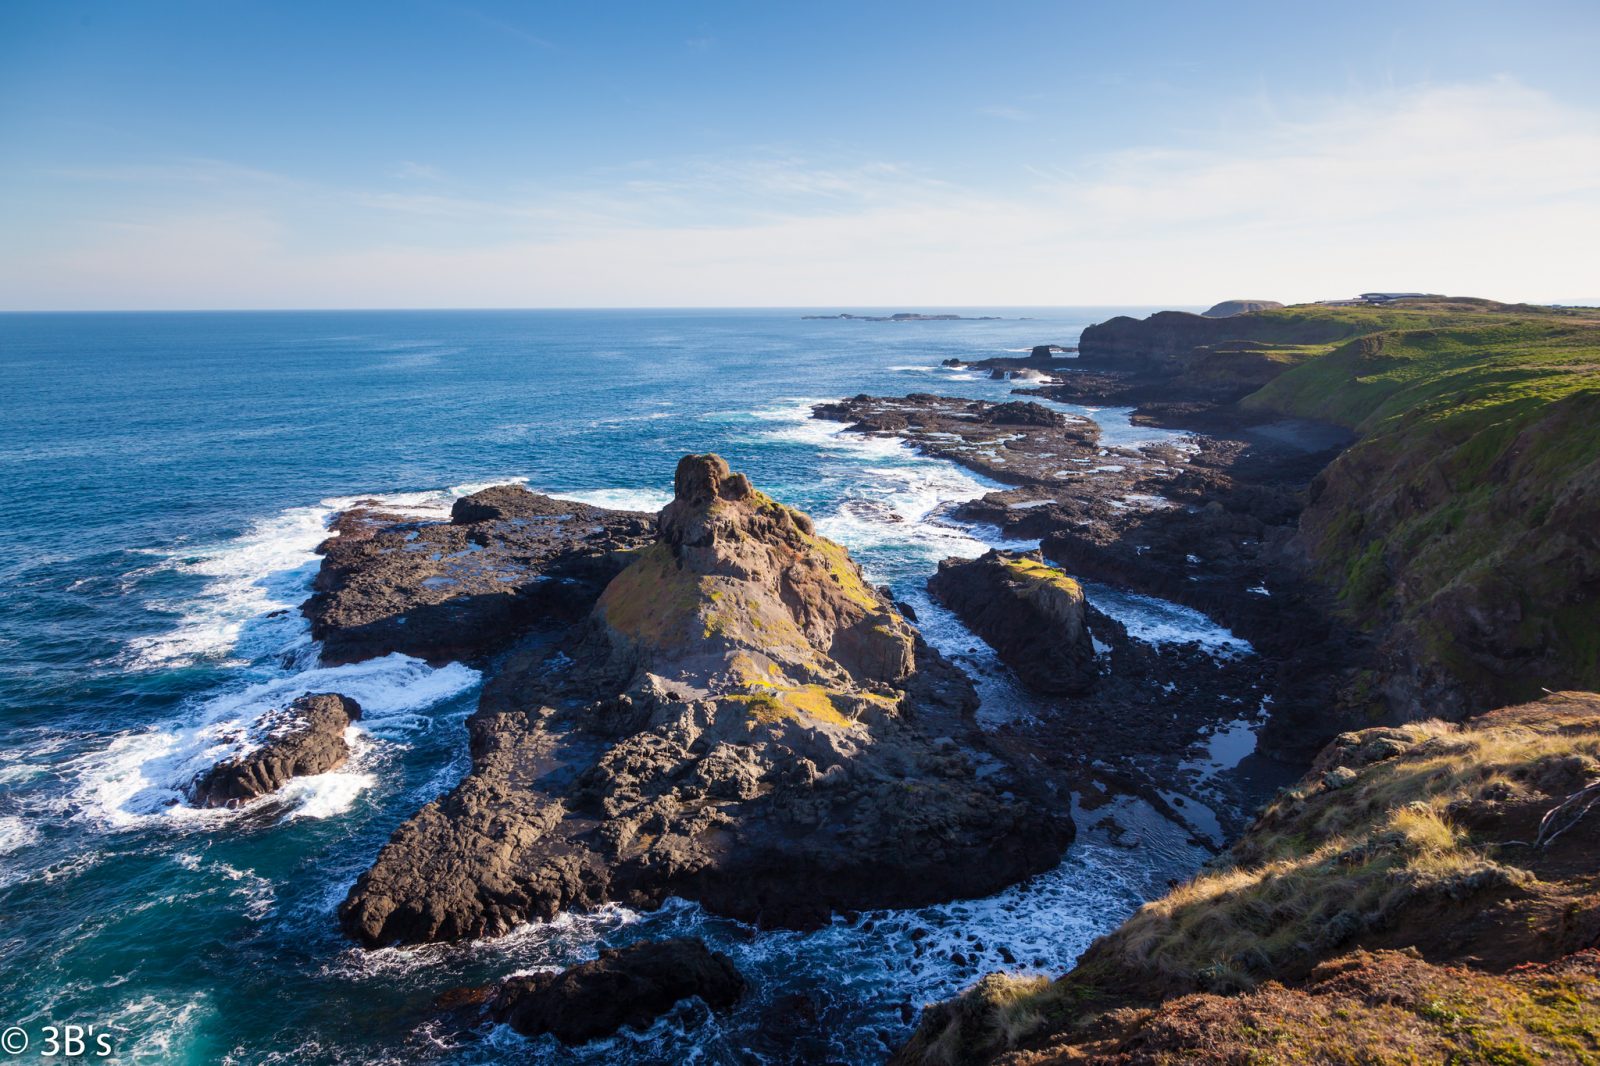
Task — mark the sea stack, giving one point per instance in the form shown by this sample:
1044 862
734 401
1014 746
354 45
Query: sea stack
1031 613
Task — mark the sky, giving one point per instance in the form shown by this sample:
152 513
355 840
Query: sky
427 153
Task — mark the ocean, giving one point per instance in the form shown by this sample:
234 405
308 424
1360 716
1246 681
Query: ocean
167 477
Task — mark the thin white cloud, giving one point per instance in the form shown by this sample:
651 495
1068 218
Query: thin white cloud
1490 189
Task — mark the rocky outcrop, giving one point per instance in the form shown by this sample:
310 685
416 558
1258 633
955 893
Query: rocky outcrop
1039 365
1229 308
1163 342
307 737
1431 890
629 986
1032 614
507 559
742 721
1022 413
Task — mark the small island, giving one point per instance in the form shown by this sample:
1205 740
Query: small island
903 316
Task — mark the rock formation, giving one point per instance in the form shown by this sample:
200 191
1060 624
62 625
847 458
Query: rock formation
459 590
629 986
1229 308
743 721
307 737
1032 614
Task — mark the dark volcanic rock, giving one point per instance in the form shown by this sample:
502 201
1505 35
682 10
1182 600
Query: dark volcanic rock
743 721
307 737
1023 413
1033 616
1210 523
629 986
458 590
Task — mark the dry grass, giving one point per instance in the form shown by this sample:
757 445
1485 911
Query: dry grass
1372 841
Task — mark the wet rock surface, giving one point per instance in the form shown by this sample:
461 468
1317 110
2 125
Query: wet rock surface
462 589
1033 615
307 737
741 720
1209 522
629 986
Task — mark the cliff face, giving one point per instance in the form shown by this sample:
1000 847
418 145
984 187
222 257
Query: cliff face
1459 530
1464 524
1435 888
743 721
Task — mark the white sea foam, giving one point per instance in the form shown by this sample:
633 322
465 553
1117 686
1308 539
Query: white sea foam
620 499
15 834
140 776
255 581
869 965
1158 621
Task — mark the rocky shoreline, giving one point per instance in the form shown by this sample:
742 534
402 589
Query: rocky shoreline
1210 523
734 717
712 703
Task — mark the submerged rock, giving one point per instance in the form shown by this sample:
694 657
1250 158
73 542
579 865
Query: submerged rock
742 720
1032 614
507 559
307 737
629 986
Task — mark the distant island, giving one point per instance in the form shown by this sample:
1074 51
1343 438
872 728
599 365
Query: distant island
904 317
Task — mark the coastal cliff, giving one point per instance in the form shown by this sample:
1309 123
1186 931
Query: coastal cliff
1459 529
1426 893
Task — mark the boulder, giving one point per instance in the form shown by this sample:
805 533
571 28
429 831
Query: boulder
307 737
1032 614
629 986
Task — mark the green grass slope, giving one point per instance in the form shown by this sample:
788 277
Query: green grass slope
1465 521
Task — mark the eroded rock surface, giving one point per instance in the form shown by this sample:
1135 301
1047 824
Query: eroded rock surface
1032 614
461 589
743 721
629 986
307 737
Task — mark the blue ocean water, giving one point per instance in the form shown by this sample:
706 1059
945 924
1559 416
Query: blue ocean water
166 478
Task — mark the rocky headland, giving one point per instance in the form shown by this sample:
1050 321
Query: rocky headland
740 719
1427 893
1229 308
1395 504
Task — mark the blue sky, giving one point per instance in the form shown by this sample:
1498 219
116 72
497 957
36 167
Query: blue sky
442 154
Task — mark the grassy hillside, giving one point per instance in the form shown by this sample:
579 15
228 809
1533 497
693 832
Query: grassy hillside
1431 892
1467 515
